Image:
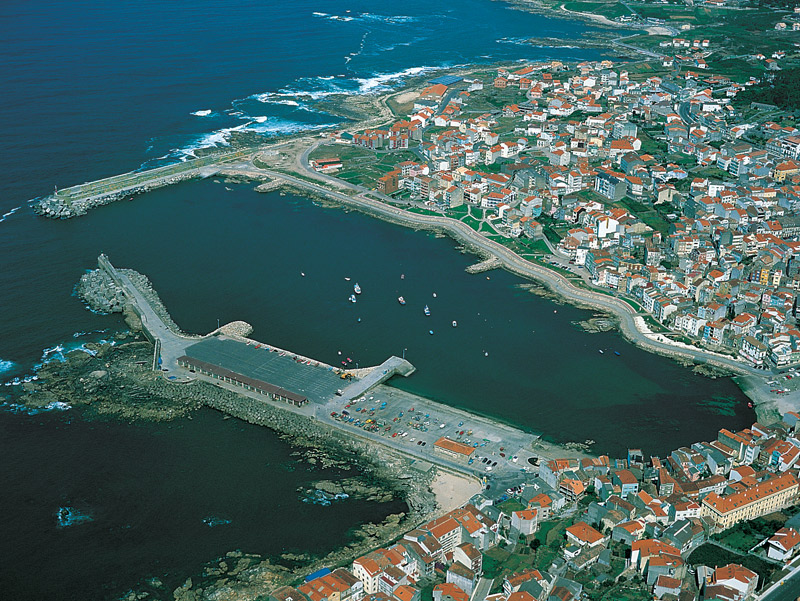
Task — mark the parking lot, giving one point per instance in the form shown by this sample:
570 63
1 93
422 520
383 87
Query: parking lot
413 424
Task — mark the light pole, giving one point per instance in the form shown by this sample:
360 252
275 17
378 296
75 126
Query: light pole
404 353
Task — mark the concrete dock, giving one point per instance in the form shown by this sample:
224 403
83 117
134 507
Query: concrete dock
382 414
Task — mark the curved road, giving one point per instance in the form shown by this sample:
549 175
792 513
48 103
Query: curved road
510 261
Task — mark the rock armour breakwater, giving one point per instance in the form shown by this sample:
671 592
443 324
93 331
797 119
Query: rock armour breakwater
55 207
102 294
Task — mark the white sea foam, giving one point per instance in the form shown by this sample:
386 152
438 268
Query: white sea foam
381 81
11 212
202 113
6 366
69 516
23 409
260 119
320 14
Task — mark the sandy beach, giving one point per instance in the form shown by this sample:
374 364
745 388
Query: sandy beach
453 491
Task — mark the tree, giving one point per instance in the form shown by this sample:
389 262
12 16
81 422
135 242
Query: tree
535 544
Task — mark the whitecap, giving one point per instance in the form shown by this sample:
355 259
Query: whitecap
202 113
260 119
26 410
69 516
320 14
379 82
6 366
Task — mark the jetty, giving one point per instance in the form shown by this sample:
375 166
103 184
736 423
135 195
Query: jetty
358 404
78 200
487 265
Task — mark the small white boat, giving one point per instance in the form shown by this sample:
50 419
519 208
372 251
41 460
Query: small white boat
455 323
401 300
347 279
434 295
357 288
600 351
352 298
427 311
302 274
430 332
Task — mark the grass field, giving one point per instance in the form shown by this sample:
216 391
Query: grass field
611 10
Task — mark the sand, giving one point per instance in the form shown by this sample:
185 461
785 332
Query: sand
406 97
453 491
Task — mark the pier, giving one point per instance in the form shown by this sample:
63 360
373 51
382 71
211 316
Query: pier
357 404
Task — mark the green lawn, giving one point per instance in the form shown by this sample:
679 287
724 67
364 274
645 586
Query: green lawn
339 151
510 506
611 10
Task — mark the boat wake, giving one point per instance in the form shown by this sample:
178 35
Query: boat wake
213 521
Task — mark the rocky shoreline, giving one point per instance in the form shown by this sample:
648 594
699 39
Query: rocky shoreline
114 380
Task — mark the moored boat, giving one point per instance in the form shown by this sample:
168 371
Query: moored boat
427 311
401 300
352 298
455 323
357 288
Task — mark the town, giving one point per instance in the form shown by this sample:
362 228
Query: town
661 190
718 519
664 183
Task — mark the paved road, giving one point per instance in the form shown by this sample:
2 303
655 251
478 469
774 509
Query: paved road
788 591
482 589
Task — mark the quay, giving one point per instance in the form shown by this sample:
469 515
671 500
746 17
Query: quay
358 404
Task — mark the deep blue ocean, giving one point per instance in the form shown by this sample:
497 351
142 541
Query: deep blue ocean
91 89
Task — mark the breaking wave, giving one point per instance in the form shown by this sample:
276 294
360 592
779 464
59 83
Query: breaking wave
69 516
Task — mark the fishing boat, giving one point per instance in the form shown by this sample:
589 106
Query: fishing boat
434 295
347 279
401 300
455 323
357 288
352 298
430 332
427 311
600 351
616 353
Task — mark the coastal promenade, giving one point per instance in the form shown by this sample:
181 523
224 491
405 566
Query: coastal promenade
630 321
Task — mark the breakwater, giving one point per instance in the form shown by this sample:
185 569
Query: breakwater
78 200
